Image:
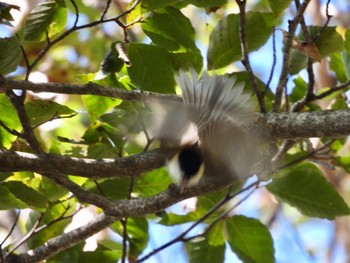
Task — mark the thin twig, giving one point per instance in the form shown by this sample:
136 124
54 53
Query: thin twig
245 53
274 60
108 4
9 130
286 54
181 237
307 156
11 230
74 28
329 17
76 10
225 214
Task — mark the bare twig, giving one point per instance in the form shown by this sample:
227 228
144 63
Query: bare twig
11 230
286 54
108 4
11 131
329 17
274 60
245 53
307 156
181 237
76 10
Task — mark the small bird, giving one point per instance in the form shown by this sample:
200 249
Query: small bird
204 133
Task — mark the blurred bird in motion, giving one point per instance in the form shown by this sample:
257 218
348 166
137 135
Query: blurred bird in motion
204 134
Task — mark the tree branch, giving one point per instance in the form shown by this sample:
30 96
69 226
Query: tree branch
62 242
94 169
273 125
85 89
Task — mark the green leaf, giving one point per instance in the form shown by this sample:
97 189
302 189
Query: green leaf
224 45
329 42
305 188
102 150
171 219
98 105
9 117
54 212
200 251
187 60
26 194
9 200
156 4
10 55
347 41
278 6
250 239
337 64
299 89
4 175
46 18
152 182
114 189
170 29
51 190
76 254
137 229
41 111
151 68
207 3
216 235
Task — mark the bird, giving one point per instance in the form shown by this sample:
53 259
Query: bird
203 135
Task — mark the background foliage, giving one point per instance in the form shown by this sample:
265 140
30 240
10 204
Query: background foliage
139 46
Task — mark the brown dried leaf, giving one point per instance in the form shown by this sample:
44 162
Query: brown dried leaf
309 49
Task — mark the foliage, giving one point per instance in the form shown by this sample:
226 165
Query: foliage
137 48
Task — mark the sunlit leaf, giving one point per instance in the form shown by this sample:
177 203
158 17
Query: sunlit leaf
9 118
340 64
305 188
207 3
152 183
98 105
217 235
250 239
200 251
51 190
46 19
156 4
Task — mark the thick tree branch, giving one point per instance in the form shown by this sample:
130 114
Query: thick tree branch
91 168
275 126
84 89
